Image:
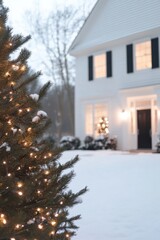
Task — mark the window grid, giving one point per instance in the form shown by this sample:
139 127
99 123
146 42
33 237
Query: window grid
143 55
100 66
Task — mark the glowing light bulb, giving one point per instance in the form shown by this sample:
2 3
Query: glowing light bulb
4 162
15 67
7 74
56 215
20 193
20 110
25 143
67 235
40 226
52 233
2 215
12 83
46 172
4 221
61 202
28 109
29 129
50 154
53 223
19 184
18 226
23 68
9 174
9 122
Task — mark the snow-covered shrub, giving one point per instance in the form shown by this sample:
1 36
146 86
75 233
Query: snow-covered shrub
100 142
70 142
89 143
112 143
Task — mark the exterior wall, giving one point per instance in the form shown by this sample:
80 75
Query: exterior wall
111 26
115 92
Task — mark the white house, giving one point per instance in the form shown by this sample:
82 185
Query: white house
118 72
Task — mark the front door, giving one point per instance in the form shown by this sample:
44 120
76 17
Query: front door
144 129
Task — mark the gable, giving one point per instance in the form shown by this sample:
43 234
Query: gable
115 19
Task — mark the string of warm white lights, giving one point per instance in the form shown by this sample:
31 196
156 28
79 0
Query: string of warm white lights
34 195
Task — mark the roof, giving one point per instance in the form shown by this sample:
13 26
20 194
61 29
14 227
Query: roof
113 22
84 24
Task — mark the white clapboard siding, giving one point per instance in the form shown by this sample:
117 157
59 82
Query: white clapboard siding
115 19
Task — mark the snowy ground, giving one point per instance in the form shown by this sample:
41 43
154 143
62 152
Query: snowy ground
123 202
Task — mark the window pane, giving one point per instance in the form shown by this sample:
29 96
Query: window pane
100 66
89 120
93 115
143 55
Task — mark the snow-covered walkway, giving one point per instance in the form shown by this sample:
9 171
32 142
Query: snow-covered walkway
123 202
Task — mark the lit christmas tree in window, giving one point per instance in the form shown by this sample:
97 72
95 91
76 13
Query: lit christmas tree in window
102 126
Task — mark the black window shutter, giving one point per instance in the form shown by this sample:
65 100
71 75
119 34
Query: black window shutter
109 63
155 52
90 68
130 58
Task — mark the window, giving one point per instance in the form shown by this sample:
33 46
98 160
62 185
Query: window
143 55
93 114
89 120
146 55
100 66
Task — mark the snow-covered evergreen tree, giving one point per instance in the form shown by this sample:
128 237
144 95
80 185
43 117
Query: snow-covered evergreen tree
34 195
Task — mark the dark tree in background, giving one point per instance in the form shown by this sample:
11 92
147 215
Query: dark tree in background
34 195
54 35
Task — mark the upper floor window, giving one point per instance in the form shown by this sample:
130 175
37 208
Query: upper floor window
143 55
100 66
146 55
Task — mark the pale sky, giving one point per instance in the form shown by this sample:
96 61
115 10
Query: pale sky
17 20
17 8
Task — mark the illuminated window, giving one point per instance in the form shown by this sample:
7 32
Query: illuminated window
143 55
94 112
89 120
100 66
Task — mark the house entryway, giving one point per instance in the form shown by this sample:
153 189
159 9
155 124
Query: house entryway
144 129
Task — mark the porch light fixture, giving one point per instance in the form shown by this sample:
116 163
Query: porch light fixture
124 114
